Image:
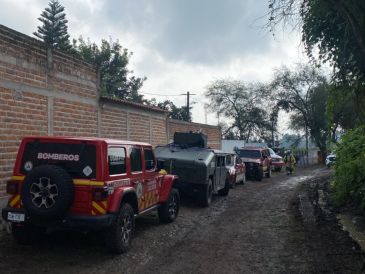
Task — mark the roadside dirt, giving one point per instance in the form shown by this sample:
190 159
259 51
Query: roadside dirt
273 226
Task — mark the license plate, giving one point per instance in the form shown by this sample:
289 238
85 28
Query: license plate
16 217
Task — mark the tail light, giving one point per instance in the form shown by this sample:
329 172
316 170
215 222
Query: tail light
100 193
12 187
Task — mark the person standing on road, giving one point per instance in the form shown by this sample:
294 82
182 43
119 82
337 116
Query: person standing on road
289 161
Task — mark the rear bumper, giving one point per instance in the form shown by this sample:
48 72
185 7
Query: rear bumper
68 221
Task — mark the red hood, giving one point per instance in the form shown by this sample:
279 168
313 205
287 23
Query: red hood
251 160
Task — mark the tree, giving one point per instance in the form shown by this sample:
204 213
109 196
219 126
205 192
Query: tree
303 91
54 27
335 27
111 61
244 105
175 112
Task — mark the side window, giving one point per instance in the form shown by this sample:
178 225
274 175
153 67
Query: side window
229 160
116 160
238 160
218 161
136 159
221 161
149 159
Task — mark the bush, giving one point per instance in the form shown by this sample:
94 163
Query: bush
349 183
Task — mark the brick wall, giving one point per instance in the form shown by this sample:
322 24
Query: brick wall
213 132
50 93
17 117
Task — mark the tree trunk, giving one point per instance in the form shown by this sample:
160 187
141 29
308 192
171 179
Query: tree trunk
306 143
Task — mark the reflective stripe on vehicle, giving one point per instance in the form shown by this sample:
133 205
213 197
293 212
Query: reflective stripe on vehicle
147 200
78 182
15 201
82 182
99 208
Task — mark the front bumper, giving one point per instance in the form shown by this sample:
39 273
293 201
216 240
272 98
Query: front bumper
277 164
252 169
68 221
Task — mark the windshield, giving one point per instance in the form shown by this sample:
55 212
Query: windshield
79 160
250 154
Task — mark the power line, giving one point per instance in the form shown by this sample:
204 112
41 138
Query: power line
156 94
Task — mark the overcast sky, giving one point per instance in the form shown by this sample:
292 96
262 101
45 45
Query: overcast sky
179 45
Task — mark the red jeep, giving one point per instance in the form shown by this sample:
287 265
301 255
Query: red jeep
257 161
87 184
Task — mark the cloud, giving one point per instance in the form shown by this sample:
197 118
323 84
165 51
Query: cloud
201 32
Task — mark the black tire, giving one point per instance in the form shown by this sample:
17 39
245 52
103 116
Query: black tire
268 173
244 179
119 235
233 183
206 194
48 191
260 175
224 191
168 211
26 234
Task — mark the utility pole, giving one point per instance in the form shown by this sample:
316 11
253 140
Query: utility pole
188 103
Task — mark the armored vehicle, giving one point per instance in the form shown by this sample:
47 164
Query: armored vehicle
201 171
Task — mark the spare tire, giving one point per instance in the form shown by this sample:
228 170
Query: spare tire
48 191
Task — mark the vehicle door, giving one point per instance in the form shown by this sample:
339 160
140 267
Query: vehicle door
220 172
150 180
239 167
137 176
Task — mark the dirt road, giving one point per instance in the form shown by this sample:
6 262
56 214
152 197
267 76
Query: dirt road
258 228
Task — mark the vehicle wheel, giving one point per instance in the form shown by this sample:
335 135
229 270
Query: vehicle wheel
244 179
268 174
206 194
260 175
224 191
169 210
233 183
119 235
48 191
26 234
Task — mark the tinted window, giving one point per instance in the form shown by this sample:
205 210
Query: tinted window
250 154
116 160
221 161
149 159
229 160
136 159
79 160
238 160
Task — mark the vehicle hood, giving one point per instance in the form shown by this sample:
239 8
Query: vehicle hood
251 160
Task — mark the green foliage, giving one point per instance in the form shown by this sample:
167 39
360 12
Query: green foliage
332 31
349 184
178 113
246 105
303 92
54 27
111 61
343 109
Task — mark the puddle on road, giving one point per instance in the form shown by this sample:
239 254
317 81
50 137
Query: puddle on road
349 226
292 182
